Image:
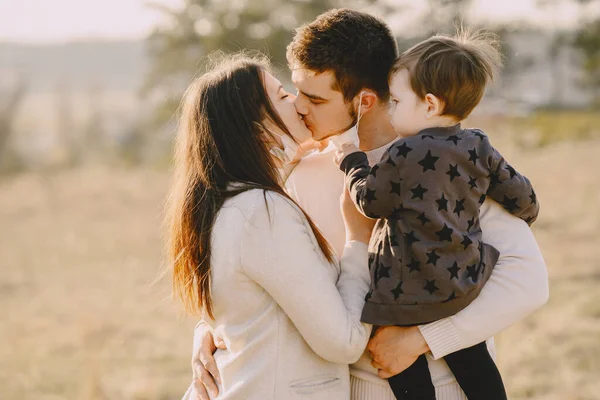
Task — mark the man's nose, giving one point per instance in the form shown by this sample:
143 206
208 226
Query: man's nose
300 106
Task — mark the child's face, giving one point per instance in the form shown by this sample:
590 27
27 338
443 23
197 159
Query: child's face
408 112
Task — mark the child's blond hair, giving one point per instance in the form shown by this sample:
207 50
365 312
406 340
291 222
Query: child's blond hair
455 69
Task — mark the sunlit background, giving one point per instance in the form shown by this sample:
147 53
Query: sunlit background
88 93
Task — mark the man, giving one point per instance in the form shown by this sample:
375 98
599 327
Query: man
338 62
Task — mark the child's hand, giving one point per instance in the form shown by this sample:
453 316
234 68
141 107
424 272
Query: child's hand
345 150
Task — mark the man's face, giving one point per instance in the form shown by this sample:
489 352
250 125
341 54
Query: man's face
322 108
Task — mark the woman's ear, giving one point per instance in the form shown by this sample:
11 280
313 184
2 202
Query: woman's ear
435 106
366 101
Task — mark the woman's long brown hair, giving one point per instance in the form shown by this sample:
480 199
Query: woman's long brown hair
221 140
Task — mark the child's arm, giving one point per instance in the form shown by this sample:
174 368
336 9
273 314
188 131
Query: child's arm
375 191
511 189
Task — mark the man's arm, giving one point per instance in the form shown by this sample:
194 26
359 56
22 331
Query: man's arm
517 287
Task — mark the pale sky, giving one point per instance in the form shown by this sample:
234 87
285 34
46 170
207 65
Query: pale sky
66 20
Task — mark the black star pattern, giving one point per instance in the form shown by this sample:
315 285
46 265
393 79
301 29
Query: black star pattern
390 162
472 182
453 139
480 135
418 192
451 297
374 170
395 188
453 172
533 197
466 241
511 171
432 258
403 150
382 272
453 270
430 286
482 199
393 240
423 218
510 203
414 266
470 224
472 272
370 195
473 156
445 234
411 238
494 179
426 137
428 162
460 206
442 203
398 291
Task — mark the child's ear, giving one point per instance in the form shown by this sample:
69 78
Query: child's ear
435 106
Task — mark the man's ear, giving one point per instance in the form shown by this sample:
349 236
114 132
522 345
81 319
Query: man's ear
435 106
368 100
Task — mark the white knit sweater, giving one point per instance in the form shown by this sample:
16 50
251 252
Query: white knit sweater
289 318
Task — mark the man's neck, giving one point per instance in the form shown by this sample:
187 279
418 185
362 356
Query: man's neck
375 129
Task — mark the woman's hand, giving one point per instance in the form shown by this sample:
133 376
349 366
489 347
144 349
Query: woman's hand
358 227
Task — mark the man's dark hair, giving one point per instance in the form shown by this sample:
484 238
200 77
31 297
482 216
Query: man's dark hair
357 47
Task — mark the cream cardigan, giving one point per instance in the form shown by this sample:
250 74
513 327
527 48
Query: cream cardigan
289 318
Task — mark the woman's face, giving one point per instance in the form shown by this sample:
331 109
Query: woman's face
283 102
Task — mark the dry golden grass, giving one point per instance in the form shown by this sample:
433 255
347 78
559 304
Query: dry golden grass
82 319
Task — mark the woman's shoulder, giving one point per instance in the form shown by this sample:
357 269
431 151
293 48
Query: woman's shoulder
261 201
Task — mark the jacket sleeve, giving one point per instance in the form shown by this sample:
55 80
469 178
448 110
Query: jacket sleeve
280 253
510 188
375 191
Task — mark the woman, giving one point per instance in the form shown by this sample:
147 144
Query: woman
247 258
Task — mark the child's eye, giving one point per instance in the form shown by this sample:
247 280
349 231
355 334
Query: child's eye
285 96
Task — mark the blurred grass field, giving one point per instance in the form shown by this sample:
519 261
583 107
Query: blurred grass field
86 316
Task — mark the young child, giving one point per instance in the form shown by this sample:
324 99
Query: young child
426 255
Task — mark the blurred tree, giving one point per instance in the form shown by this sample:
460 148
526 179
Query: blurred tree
203 26
587 40
447 15
9 107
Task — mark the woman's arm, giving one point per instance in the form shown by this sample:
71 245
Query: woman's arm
280 253
517 287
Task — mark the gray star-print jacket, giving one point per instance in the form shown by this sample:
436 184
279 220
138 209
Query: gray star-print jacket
426 256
